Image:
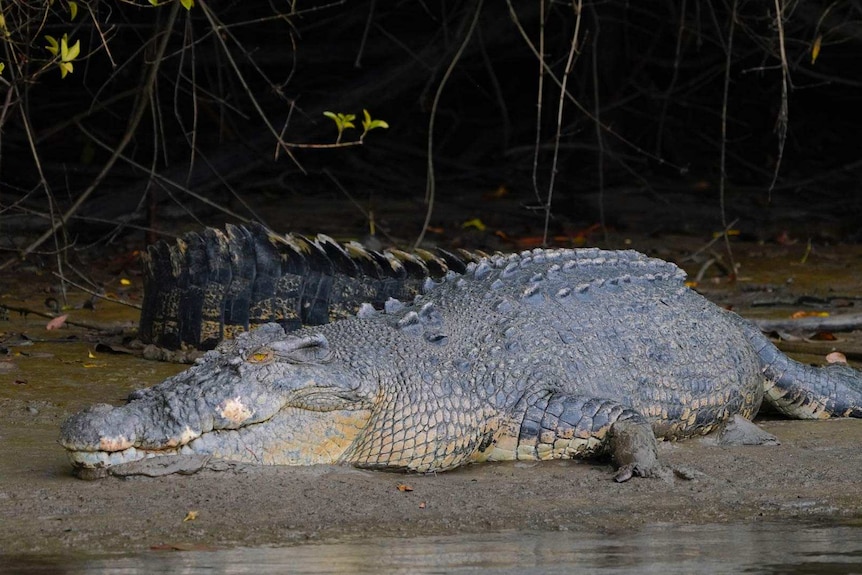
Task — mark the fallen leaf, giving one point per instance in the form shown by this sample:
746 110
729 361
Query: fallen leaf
57 322
474 223
501 192
125 282
190 516
824 336
404 487
529 242
801 314
815 48
90 355
422 505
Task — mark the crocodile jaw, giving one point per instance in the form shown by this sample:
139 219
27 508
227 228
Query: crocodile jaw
293 436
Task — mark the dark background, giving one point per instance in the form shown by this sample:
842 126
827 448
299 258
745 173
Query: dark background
637 146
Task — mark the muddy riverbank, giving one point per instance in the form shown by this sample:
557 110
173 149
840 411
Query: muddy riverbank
813 474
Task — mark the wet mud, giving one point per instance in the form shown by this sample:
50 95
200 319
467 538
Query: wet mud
813 474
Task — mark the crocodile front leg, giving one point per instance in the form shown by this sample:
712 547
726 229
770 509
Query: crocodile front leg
561 426
632 444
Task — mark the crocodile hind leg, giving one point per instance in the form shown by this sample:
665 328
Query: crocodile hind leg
561 426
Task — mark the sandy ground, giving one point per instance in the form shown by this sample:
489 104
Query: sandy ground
43 509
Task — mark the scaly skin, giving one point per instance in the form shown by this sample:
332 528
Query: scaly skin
544 355
213 285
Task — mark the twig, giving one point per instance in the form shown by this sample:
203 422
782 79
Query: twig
784 110
843 322
137 114
216 26
358 62
430 185
723 169
540 94
85 289
605 127
671 85
85 325
597 109
163 180
710 242
368 215
505 122
573 50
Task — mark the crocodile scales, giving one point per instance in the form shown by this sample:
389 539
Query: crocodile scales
212 285
540 355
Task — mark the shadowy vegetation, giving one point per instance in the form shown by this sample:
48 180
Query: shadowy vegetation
114 111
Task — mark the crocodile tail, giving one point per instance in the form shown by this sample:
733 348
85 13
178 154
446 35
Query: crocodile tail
803 391
212 285
159 287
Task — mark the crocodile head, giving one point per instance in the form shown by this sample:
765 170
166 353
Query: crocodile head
265 397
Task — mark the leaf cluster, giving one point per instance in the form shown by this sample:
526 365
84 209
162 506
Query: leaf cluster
345 122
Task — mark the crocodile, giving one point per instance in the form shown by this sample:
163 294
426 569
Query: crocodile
546 354
211 285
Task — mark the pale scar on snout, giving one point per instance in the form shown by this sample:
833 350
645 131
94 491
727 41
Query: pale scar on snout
235 411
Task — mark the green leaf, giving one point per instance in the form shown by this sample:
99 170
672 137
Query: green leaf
475 223
2 67
342 121
377 124
65 68
73 9
154 2
53 46
368 124
187 4
68 54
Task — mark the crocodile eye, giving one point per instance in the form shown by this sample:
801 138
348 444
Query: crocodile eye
261 356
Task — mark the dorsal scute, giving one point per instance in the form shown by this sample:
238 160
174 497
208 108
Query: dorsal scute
393 305
531 278
429 285
592 263
366 311
541 275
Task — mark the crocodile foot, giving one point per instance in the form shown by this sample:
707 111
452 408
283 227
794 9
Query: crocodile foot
633 447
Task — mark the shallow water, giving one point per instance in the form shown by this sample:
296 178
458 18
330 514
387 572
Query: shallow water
789 548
